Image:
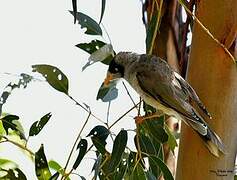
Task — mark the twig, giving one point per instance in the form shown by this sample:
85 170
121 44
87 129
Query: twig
207 31
115 122
157 25
129 93
77 103
74 145
17 144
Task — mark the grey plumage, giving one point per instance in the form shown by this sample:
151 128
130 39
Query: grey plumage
166 90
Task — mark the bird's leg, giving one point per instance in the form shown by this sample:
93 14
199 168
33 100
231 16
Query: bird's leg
141 119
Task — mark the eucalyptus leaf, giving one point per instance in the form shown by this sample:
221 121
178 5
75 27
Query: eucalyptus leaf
23 81
151 32
55 176
165 170
57 167
55 77
41 165
11 122
119 146
99 135
82 147
171 139
138 173
15 174
91 47
96 166
74 7
92 27
37 126
102 10
108 92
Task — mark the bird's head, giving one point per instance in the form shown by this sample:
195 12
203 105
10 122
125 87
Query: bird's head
118 65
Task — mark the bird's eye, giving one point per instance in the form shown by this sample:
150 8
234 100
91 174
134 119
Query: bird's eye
116 69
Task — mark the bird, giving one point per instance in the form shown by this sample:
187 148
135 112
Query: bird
164 89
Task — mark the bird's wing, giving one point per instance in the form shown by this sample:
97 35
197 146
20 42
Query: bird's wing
191 93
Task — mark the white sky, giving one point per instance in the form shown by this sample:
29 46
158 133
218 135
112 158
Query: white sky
36 32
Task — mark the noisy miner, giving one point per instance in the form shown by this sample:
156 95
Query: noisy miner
164 89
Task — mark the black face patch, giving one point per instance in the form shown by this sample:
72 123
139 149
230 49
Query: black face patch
115 68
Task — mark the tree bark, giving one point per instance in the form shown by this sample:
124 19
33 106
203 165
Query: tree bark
213 75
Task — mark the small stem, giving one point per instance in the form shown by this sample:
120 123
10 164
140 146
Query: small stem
159 9
128 93
17 144
77 103
75 143
123 116
206 30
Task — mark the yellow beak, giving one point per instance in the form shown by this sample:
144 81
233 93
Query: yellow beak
108 78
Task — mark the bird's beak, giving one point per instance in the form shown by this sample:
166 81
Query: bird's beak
109 77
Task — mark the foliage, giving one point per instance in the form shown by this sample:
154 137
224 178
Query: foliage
121 162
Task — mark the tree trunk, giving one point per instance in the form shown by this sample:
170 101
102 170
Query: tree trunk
213 75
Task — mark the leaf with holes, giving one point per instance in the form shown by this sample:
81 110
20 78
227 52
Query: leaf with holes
102 10
91 47
11 122
104 54
119 146
82 147
165 170
15 174
22 82
54 76
99 135
41 165
37 126
92 27
108 92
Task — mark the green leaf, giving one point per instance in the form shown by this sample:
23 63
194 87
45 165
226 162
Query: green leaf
102 10
82 146
146 144
108 92
11 122
156 130
55 176
37 126
171 139
15 174
165 170
91 47
96 166
7 164
138 173
57 167
119 146
74 7
41 165
22 82
54 76
121 169
150 176
99 135
150 32
92 27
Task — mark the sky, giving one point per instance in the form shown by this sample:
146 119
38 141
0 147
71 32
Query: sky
42 32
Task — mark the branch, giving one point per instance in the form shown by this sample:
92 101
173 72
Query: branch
207 31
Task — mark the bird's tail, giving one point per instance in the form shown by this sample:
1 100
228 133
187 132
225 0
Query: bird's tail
213 142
